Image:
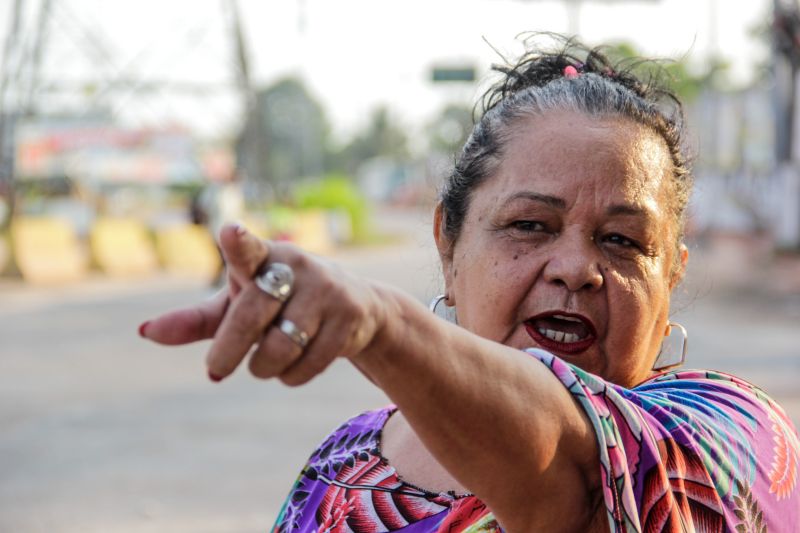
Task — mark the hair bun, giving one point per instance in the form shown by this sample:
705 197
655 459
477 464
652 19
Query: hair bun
543 64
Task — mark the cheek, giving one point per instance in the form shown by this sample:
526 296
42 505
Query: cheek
514 264
637 306
627 300
494 261
490 279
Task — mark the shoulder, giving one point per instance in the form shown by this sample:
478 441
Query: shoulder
691 445
714 395
706 396
735 432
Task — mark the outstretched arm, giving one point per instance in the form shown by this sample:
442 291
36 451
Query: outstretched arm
494 417
497 419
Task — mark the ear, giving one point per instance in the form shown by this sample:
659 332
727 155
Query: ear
679 272
445 247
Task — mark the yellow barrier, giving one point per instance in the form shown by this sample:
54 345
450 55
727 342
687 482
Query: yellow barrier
257 226
122 247
307 228
188 250
47 250
5 253
310 231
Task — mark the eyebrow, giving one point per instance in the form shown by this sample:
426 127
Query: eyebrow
552 201
559 203
628 209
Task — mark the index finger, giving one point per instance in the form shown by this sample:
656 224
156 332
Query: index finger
187 325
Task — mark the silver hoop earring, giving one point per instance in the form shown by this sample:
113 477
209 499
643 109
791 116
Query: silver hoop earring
447 312
673 352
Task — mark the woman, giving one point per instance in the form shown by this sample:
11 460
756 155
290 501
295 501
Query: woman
560 234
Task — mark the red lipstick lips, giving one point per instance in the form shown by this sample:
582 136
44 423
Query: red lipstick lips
561 332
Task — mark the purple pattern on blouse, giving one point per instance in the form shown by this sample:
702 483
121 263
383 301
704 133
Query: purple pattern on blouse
684 451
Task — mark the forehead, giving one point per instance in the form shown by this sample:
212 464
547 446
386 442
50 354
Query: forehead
565 153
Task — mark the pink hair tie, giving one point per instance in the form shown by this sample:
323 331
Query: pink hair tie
570 72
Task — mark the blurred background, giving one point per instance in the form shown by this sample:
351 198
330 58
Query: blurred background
131 131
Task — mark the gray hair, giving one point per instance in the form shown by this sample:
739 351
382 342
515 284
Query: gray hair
537 85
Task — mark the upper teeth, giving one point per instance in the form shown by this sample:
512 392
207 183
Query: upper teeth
559 336
567 318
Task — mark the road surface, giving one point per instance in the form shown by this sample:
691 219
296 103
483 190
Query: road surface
101 431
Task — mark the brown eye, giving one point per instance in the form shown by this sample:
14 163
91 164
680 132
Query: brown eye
620 240
527 225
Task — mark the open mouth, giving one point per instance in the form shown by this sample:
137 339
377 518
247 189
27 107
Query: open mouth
561 332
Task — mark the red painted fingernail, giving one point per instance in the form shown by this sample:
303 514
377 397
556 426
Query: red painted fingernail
142 327
213 377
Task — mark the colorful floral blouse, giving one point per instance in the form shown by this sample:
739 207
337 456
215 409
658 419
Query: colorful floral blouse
684 451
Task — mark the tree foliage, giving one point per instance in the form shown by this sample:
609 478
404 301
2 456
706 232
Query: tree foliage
286 136
381 137
450 129
676 74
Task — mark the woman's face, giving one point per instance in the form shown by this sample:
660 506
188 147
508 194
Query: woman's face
570 245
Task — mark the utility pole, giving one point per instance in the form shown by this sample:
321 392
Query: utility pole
252 136
9 97
35 28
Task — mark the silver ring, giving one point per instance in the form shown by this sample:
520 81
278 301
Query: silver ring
290 329
276 281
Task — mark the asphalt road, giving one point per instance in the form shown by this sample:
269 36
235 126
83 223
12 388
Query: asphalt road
101 431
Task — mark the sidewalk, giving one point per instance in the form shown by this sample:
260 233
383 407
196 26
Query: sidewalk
740 265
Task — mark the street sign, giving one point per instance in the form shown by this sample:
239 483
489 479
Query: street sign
453 74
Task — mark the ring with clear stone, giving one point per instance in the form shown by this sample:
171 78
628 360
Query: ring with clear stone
277 281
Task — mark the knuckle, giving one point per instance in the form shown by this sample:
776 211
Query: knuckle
327 284
357 314
317 364
296 257
256 308
247 312
310 367
243 323
282 343
275 353
258 367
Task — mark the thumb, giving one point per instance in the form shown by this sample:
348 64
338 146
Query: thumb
244 253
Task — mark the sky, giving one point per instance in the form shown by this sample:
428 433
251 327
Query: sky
355 55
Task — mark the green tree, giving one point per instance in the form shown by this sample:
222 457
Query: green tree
450 129
686 83
381 137
286 136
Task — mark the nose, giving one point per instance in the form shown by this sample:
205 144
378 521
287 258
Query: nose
574 263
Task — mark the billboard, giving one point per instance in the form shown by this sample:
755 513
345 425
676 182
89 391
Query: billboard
91 150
